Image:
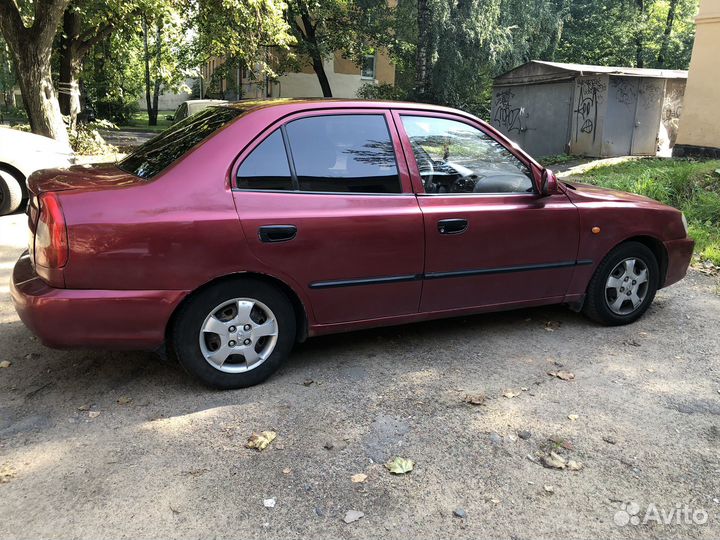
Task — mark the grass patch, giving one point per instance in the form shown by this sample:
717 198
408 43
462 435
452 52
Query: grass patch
691 186
139 122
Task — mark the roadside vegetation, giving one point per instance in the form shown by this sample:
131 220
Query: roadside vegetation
691 186
138 121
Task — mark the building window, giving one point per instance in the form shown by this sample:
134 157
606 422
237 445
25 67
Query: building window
368 67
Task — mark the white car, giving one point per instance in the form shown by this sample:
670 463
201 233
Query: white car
191 106
21 154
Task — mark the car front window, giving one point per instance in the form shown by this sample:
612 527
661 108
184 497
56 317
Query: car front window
161 151
455 158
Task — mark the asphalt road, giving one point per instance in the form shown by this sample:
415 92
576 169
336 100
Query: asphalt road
100 444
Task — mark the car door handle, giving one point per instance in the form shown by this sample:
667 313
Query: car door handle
452 226
277 233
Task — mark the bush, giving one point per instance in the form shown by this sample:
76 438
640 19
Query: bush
86 139
381 91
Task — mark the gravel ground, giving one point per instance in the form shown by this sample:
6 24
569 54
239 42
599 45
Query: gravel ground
98 444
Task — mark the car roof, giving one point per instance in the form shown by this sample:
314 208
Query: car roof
299 104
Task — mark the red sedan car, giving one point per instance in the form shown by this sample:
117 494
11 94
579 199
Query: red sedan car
247 227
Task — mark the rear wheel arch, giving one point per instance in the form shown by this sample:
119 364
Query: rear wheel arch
299 309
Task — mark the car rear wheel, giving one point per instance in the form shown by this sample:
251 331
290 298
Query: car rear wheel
10 193
234 334
623 286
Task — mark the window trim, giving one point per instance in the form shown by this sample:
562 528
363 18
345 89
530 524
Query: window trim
374 68
406 187
417 184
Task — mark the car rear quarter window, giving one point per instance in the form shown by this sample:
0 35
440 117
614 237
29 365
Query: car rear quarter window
343 153
266 167
161 151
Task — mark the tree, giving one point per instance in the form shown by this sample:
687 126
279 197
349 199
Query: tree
241 31
31 48
322 27
7 78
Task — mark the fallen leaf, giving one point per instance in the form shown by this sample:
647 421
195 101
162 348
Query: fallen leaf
574 465
358 478
551 326
573 417
553 461
260 441
511 393
549 489
85 407
650 370
308 382
7 473
124 400
269 503
400 465
353 515
174 510
563 375
5 364
94 414
287 470
475 399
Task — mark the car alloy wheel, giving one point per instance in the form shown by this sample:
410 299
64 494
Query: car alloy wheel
238 335
627 286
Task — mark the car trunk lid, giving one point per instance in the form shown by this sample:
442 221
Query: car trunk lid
80 177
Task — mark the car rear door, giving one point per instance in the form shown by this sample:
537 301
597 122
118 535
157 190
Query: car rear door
326 206
490 239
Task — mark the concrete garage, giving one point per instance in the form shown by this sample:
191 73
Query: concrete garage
553 108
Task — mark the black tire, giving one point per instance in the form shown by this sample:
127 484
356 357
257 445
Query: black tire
11 194
596 305
185 334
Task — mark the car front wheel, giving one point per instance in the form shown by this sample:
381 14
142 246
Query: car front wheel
234 334
10 193
623 286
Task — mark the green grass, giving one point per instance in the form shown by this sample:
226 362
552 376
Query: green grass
139 122
691 186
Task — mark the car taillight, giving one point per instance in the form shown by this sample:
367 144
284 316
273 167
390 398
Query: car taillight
51 244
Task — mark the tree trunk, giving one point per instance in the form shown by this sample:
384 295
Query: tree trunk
422 59
158 59
70 66
146 49
315 55
639 60
31 50
666 34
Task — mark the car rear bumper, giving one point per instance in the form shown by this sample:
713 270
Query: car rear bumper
679 255
67 318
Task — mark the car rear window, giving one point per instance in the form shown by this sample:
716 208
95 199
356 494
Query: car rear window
160 152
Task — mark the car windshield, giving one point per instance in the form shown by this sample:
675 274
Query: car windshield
160 152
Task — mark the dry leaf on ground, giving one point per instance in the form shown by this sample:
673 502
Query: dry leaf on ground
7 473
400 465
5 364
260 441
475 399
563 375
511 393
358 478
124 400
573 417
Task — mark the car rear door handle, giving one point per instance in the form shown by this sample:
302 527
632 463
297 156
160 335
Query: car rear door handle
452 226
277 233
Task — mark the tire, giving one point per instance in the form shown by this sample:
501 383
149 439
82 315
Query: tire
613 303
225 307
11 194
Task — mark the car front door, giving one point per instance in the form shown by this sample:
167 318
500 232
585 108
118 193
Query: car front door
490 238
326 206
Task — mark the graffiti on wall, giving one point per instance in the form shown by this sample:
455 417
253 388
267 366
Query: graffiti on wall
506 116
589 92
625 92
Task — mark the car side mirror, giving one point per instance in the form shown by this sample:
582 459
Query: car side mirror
548 183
